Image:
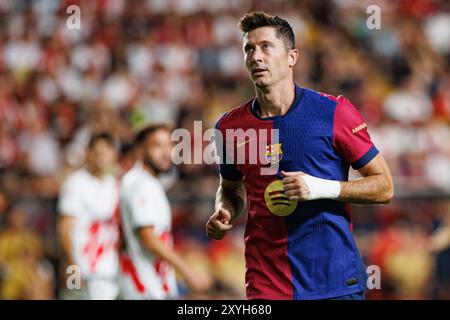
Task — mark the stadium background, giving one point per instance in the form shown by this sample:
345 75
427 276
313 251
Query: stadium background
177 61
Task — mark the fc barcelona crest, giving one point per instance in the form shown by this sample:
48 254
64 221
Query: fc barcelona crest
274 153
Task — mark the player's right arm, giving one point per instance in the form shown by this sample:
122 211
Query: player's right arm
230 204
65 227
154 244
231 198
69 209
440 238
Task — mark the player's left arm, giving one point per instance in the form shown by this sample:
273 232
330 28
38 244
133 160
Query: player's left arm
352 142
374 187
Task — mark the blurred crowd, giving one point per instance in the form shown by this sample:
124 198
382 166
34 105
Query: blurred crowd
149 61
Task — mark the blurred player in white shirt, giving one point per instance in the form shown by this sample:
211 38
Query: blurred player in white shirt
148 259
88 224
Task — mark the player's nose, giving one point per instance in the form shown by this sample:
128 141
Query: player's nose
256 56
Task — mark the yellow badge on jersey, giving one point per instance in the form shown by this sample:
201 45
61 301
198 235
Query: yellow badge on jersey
277 201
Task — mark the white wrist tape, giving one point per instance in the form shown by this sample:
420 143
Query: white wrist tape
322 188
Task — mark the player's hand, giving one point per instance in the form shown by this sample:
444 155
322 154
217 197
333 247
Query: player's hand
218 224
198 282
295 187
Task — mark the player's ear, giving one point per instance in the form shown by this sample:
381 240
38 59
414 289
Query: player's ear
293 57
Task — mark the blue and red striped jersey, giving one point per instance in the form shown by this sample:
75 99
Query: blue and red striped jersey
298 250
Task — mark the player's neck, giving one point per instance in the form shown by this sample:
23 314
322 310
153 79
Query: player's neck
149 169
275 101
94 171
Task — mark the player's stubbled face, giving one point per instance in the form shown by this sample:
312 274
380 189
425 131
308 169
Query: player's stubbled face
102 156
157 150
266 57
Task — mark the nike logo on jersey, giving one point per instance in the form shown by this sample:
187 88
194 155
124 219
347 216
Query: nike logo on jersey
240 144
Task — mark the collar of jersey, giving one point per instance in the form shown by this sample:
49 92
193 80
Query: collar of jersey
298 97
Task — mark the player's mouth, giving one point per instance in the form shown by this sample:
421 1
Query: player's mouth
258 71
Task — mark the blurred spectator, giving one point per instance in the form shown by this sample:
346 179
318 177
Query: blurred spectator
26 274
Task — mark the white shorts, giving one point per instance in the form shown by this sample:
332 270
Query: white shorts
102 289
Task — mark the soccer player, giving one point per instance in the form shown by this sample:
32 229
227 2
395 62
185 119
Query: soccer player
298 238
88 223
148 256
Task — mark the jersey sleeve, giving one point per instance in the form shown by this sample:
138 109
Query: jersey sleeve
146 206
69 201
228 170
350 136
